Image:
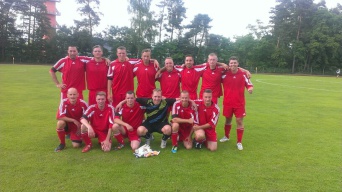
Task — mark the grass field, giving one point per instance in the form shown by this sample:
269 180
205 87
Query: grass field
292 142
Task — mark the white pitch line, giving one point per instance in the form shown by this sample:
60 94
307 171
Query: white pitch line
259 80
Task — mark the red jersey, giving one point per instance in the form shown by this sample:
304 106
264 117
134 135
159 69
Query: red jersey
211 79
66 109
133 116
169 83
100 120
190 78
234 88
121 74
146 78
73 72
184 112
96 75
207 114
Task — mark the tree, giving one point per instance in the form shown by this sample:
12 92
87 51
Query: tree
92 16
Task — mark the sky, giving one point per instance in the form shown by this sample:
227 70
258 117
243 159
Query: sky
228 20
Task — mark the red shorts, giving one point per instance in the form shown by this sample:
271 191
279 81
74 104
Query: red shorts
184 131
131 135
92 96
75 135
210 134
193 96
238 112
64 95
117 98
101 135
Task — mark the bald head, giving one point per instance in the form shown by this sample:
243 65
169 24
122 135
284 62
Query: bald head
72 95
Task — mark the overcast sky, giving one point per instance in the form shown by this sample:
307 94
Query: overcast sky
228 19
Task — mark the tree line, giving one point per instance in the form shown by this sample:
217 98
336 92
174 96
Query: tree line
301 36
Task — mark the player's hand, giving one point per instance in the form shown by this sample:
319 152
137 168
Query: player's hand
156 64
191 121
106 145
250 90
195 127
157 74
110 98
107 61
91 132
249 75
129 127
61 85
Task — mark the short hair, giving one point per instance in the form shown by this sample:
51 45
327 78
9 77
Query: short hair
73 46
188 55
121 48
97 46
207 91
233 58
146 50
212 54
101 93
157 90
130 92
185 91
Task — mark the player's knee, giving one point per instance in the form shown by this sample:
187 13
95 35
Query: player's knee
61 124
76 144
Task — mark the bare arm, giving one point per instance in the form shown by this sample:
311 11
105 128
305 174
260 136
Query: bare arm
91 132
205 126
122 123
109 90
70 120
55 80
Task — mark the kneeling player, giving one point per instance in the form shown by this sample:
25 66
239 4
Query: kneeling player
183 118
208 114
68 116
132 115
97 121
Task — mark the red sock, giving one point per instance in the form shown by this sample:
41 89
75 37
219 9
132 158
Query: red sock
239 133
174 138
119 138
227 130
61 135
86 138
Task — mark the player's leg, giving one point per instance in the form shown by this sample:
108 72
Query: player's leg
86 139
61 135
228 113
143 132
199 138
212 146
117 129
239 114
174 137
166 131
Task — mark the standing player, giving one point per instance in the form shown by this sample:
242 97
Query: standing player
208 115
234 84
145 71
338 71
69 114
132 116
211 78
183 118
120 76
72 68
97 121
96 75
170 80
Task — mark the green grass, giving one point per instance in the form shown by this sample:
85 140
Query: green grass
292 142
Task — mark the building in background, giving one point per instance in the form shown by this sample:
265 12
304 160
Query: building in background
52 13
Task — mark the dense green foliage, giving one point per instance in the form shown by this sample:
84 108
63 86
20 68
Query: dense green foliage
302 37
292 142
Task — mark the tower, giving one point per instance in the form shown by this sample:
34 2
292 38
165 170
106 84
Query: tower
52 13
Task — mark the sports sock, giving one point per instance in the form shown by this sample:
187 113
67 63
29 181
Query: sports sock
239 133
147 136
86 138
119 138
165 137
174 138
227 130
61 135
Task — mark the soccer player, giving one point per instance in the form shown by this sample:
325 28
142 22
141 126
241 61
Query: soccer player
338 71
234 83
120 76
68 116
96 74
208 115
156 113
97 121
183 118
132 116
72 68
211 78
170 80
145 71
